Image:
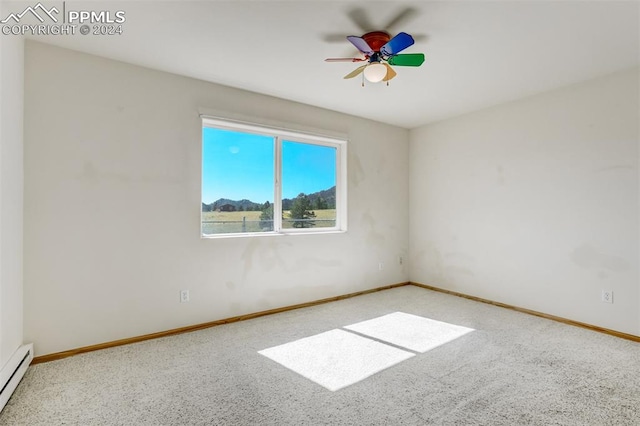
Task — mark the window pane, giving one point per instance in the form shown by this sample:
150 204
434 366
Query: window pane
308 185
237 182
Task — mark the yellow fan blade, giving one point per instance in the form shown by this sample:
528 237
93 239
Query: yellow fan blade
390 73
355 72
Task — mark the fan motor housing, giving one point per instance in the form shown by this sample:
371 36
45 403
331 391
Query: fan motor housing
376 39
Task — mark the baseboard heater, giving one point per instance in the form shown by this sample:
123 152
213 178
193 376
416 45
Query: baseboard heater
13 371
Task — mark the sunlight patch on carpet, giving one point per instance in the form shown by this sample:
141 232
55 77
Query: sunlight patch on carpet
336 359
410 331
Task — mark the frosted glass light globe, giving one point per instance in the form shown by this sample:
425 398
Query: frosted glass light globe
375 72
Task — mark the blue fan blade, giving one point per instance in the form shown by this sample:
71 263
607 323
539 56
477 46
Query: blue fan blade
397 44
359 43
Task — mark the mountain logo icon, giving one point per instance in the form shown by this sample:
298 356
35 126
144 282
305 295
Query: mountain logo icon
38 11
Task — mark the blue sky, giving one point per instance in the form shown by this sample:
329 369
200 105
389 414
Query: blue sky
241 165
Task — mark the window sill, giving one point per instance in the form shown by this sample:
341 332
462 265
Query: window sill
268 234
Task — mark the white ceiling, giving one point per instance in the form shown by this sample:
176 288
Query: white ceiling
478 53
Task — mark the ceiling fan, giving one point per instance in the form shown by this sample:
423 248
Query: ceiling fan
380 52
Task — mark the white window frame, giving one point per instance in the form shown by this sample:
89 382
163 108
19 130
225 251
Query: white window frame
280 135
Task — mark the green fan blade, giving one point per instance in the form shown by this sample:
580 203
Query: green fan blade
355 72
407 59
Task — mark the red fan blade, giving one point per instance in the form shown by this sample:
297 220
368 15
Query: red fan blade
344 60
361 45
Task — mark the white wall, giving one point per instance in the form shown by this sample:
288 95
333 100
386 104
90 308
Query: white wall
11 108
535 203
112 206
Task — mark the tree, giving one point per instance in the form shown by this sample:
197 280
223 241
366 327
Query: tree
301 210
266 217
321 204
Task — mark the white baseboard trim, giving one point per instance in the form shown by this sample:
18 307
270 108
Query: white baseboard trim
13 371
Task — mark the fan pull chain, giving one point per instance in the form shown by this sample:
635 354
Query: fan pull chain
362 79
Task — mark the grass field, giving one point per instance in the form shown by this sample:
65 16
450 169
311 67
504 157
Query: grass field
236 222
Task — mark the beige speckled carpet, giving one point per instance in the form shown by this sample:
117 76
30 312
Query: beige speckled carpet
512 369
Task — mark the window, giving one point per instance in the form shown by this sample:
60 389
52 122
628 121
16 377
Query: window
258 180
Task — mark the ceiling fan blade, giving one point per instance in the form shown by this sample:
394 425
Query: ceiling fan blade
420 37
359 17
407 59
400 18
355 72
333 38
390 73
360 44
397 44
344 60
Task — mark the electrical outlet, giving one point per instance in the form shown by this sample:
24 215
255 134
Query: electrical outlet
400 260
607 296
184 296
380 266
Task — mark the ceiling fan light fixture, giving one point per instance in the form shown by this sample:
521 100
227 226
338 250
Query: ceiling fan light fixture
380 51
375 72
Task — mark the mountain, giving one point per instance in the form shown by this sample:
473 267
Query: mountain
243 204
328 195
